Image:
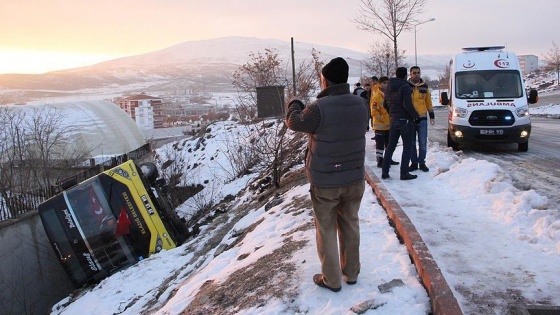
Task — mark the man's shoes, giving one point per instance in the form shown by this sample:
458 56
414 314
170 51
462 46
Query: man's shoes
384 176
318 279
424 168
408 176
413 167
394 162
351 282
379 162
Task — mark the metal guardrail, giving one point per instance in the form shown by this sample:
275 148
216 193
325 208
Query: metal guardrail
20 204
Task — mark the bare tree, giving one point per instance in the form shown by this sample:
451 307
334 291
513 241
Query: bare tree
445 76
35 150
265 69
269 141
389 18
50 145
11 151
380 58
553 61
262 69
241 150
280 149
308 77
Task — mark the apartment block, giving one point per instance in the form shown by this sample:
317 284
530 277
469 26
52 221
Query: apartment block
145 110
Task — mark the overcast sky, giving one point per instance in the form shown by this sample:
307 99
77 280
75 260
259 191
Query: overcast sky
41 35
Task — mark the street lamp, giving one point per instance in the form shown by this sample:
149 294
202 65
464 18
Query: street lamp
415 52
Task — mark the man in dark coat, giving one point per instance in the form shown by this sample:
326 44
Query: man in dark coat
403 117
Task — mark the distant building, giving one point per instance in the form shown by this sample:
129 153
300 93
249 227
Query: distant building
182 109
144 115
144 109
528 63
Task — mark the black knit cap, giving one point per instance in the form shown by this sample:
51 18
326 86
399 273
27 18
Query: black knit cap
336 70
401 72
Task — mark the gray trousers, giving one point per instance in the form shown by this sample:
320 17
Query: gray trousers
336 215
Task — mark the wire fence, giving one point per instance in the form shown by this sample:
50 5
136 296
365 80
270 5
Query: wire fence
19 204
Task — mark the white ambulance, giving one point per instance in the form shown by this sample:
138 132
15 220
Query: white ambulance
487 99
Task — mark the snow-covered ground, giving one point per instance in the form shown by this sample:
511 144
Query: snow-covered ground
551 109
494 244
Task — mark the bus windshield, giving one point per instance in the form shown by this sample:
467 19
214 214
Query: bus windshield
484 84
101 230
108 222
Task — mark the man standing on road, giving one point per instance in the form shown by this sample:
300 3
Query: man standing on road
374 88
403 116
336 126
358 89
374 81
422 101
381 123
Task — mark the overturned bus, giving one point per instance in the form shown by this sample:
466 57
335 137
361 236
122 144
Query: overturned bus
111 221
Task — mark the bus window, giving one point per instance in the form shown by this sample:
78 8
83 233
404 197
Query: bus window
98 225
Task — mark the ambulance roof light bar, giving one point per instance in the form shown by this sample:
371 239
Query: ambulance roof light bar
485 48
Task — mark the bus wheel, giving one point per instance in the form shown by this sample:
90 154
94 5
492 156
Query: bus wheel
149 170
452 144
523 147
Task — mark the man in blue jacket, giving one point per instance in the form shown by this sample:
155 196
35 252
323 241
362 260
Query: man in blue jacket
403 117
336 125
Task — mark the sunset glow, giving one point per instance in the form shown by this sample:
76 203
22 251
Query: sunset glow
40 36
35 62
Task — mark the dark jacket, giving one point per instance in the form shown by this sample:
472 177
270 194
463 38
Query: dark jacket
398 96
358 91
336 148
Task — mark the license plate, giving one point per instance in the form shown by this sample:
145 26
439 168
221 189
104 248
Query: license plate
492 132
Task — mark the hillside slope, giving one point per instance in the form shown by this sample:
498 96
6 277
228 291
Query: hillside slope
255 253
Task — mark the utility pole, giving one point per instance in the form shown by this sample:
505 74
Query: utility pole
293 68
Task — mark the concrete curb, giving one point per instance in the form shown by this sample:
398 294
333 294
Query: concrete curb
441 297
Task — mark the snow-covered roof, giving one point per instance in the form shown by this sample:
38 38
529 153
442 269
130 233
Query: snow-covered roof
101 125
141 97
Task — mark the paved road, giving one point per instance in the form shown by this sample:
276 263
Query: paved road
479 261
548 98
537 169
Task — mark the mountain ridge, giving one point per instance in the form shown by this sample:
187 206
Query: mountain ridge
209 62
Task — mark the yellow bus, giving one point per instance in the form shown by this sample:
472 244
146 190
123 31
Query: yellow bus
111 221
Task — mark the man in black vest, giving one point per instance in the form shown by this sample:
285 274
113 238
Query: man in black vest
336 125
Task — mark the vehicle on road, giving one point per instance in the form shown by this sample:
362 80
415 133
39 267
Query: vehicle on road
111 221
487 98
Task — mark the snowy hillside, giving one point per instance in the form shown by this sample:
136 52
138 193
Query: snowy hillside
254 254
255 250
226 50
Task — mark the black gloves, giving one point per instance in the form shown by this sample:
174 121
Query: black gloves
296 102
